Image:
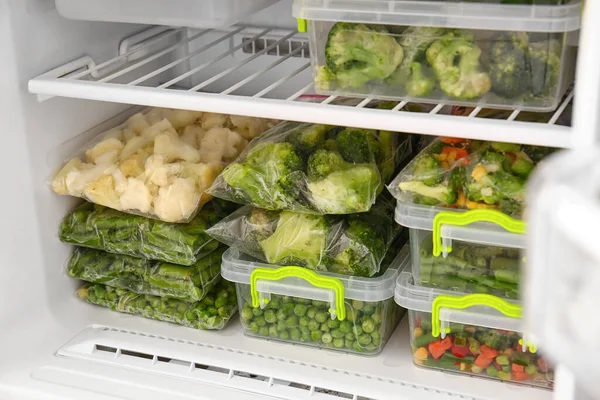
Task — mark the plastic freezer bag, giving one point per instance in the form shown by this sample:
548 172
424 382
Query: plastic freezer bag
313 168
158 164
211 313
471 174
353 244
141 276
116 232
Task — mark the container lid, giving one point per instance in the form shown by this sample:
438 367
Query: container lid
477 310
485 14
238 267
422 217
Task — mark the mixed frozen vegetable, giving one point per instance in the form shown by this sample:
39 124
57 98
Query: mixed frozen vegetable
158 164
116 232
471 268
460 173
421 61
190 283
477 350
313 168
368 325
353 244
213 312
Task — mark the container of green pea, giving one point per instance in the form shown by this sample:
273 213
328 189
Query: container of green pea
323 310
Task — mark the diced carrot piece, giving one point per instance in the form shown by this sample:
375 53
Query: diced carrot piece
451 140
488 352
509 352
435 348
518 368
483 362
520 376
446 343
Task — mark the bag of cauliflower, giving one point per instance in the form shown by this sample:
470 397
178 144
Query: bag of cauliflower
317 169
158 163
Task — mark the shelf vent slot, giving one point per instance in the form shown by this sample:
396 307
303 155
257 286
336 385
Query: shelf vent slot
282 49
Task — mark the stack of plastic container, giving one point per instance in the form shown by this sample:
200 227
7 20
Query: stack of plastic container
157 164
313 252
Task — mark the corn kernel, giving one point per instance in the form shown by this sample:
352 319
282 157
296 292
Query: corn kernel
478 173
463 366
421 354
417 332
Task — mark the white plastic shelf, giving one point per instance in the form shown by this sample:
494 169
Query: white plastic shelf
264 73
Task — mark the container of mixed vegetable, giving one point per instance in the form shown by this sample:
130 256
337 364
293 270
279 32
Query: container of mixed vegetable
321 310
470 334
493 55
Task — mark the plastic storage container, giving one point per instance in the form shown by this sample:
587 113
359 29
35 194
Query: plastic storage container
460 174
326 310
476 334
483 258
491 55
192 13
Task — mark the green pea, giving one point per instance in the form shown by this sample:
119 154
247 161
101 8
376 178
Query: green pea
190 315
224 312
260 321
270 316
324 327
263 331
273 331
337 334
288 307
357 330
281 326
326 338
313 325
247 314
349 336
376 317
304 330
274 303
254 327
338 343
305 338
364 339
316 336
368 325
220 302
303 321
357 304
208 300
281 315
321 317
178 316
368 309
100 292
284 335
351 313
317 303
112 296
333 323
345 326
311 312
295 334
291 322
257 311
348 343
300 310
376 336
120 292
140 303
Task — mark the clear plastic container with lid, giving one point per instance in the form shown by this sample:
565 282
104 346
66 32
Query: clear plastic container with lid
486 53
322 310
476 251
472 334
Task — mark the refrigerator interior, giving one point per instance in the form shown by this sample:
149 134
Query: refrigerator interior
56 346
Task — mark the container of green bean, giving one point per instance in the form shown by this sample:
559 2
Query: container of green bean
323 310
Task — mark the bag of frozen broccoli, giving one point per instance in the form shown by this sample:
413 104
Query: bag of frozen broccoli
213 312
158 163
353 244
190 283
116 232
318 169
469 174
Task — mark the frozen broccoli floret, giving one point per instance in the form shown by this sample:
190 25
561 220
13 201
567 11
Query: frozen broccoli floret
544 61
323 162
509 68
496 187
359 145
389 153
308 138
445 41
419 84
428 170
493 161
262 222
299 239
457 67
263 176
324 77
358 53
439 194
503 147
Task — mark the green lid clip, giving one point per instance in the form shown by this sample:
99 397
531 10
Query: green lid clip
335 286
302 25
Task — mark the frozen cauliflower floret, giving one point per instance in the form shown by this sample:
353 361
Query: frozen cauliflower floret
102 191
59 184
120 181
178 201
157 129
133 166
218 145
182 118
248 127
138 123
153 189
133 145
109 157
136 196
203 174
114 134
165 174
128 134
156 115
210 120
78 179
192 135
103 147
174 149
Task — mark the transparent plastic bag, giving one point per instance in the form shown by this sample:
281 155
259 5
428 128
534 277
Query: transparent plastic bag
116 232
157 164
211 313
469 174
353 244
313 168
190 283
